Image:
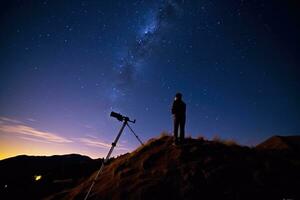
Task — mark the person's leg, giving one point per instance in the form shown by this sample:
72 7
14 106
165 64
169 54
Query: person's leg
176 126
182 129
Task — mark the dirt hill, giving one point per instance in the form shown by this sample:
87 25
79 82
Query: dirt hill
291 143
199 169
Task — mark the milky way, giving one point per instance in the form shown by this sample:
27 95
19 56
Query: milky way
148 36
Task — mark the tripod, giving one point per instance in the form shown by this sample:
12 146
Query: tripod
125 123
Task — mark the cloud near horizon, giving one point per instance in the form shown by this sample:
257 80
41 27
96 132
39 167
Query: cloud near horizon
32 132
26 132
9 120
95 143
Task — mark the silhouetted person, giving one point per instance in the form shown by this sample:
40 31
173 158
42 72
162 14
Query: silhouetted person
178 111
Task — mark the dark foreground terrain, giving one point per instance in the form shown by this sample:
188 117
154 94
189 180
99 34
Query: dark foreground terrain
34 177
199 169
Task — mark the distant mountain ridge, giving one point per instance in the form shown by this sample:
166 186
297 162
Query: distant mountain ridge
281 143
18 174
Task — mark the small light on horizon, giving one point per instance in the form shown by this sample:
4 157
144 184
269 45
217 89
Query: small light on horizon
37 177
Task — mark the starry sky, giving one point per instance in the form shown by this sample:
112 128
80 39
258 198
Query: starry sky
65 65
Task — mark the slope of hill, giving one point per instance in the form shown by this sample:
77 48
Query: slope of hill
199 169
276 142
34 177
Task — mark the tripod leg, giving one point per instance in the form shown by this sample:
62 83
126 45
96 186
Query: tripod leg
106 159
137 137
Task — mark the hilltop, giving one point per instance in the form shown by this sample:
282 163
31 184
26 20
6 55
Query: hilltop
198 169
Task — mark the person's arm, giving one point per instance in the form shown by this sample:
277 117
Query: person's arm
173 108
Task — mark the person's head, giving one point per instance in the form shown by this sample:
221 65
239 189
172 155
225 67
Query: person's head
178 96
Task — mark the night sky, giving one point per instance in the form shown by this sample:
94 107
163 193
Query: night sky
65 65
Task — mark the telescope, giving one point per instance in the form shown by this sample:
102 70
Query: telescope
125 121
120 117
